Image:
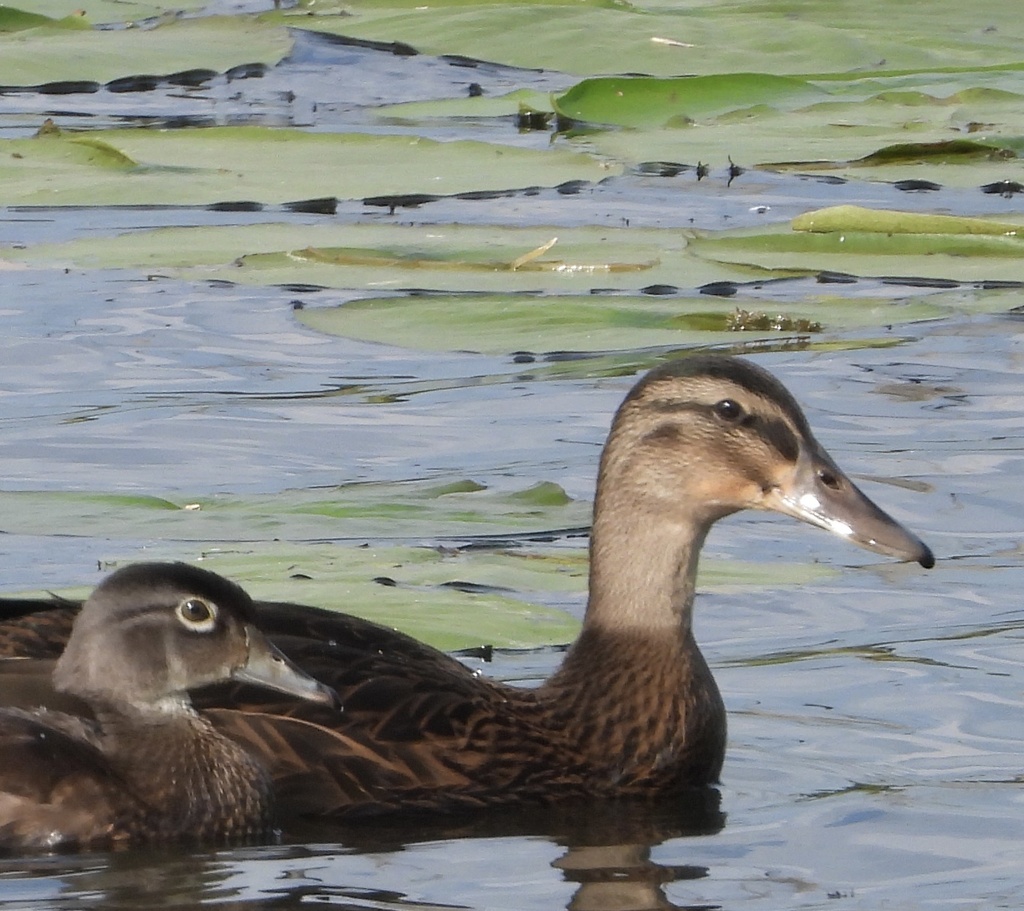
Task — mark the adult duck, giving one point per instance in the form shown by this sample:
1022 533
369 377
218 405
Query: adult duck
140 764
633 709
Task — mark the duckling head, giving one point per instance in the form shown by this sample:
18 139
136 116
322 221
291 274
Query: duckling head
152 631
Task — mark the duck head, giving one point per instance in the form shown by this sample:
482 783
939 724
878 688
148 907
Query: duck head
698 439
152 631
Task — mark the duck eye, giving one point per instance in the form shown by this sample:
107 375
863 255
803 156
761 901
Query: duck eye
197 615
729 410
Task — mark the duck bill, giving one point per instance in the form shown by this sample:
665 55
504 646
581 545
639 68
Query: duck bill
819 493
267 666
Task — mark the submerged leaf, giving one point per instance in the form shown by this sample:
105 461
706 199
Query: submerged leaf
528 262
857 218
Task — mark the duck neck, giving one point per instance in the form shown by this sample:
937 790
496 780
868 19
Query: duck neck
643 572
634 694
197 783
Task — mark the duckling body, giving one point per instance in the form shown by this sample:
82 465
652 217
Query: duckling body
634 708
143 765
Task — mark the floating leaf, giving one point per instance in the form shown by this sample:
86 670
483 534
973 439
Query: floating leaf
499 324
108 11
857 218
389 255
596 37
950 257
202 166
54 54
648 102
527 262
948 151
15 20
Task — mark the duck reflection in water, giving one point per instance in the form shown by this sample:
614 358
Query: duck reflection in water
604 863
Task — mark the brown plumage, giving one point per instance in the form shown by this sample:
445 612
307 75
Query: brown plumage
139 764
634 709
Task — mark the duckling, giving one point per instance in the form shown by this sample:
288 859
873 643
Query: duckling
145 766
634 709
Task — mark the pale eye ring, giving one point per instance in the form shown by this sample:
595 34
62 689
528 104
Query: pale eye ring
197 615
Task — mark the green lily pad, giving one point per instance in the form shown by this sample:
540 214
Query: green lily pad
381 256
15 20
202 166
501 323
883 128
885 221
947 152
451 600
648 102
593 37
101 12
55 53
955 257
410 509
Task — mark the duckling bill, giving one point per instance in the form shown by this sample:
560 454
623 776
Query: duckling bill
144 766
634 709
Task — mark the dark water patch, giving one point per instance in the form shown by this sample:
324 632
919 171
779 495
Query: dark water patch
487 195
395 48
66 87
836 278
909 281
476 63
572 187
246 71
141 82
192 78
916 186
133 84
400 201
476 588
1004 188
238 206
325 205
663 168
719 289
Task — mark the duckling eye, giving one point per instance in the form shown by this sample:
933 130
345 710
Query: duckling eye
197 615
729 410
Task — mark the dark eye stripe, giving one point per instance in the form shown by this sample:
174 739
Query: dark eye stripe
775 431
780 437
